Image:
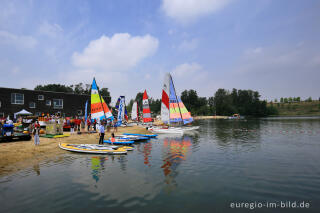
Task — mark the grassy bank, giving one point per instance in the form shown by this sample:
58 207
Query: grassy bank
298 108
15 156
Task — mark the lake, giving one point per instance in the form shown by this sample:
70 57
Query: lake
270 165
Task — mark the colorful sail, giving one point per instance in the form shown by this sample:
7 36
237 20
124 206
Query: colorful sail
185 114
146 109
134 111
165 114
172 108
99 108
175 115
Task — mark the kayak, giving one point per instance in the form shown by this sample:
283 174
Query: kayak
92 148
143 135
131 137
119 142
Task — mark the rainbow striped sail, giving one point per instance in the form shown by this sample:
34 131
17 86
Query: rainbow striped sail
172 108
99 108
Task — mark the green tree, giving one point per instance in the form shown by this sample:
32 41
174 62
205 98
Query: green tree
309 99
285 100
54 88
104 92
281 100
223 102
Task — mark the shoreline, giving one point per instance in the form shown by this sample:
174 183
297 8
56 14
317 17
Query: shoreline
16 156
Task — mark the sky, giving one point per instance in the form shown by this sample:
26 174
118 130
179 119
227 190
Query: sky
270 46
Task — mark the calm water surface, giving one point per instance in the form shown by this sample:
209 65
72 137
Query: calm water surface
267 160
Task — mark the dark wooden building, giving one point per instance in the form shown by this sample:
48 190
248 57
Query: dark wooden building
38 102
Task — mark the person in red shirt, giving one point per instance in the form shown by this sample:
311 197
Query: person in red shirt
112 138
88 124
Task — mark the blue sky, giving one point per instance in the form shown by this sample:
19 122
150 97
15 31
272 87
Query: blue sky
270 46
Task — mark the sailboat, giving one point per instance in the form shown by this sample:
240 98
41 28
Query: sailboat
99 108
173 111
146 109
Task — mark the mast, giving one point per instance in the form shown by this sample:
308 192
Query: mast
100 98
176 98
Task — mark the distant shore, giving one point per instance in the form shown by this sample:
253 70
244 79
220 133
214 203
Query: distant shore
210 117
15 156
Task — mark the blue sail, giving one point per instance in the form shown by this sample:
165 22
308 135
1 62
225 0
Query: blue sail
120 108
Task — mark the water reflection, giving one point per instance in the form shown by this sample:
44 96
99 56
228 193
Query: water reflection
97 165
175 152
36 168
145 149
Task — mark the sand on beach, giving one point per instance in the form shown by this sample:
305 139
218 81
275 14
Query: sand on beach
15 156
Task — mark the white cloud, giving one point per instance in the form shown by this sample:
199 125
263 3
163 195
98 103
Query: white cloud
185 11
19 41
51 30
188 45
186 69
117 53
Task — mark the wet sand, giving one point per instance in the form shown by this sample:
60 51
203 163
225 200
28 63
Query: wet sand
15 156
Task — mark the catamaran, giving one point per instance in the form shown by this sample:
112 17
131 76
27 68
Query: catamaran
173 112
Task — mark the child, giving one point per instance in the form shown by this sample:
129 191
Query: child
112 138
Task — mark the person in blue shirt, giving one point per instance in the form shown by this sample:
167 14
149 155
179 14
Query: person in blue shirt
101 133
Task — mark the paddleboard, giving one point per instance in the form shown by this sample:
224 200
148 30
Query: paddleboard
143 135
92 148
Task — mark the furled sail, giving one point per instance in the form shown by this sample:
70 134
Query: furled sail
134 112
146 109
99 108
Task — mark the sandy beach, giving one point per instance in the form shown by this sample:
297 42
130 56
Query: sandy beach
15 156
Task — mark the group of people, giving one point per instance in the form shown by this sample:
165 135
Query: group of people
107 123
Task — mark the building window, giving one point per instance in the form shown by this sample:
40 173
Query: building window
1 114
58 103
40 97
48 102
79 112
17 98
38 113
32 105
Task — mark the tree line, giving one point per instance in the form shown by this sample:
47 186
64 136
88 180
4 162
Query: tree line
223 102
80 88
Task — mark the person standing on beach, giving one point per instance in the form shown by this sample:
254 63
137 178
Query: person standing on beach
101 133
72 127
88 123
115 125
95 125
36 131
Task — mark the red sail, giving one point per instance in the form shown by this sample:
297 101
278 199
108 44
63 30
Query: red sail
146 109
